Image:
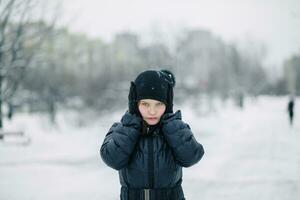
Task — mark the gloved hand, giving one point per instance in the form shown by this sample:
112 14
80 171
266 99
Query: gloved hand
131 120
169 117
132 102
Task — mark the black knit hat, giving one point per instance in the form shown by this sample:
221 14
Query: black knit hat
152 84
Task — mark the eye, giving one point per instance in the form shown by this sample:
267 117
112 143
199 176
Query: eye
144 104
160 104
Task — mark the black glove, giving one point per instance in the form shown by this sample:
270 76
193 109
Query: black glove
132 102
131 120
168 117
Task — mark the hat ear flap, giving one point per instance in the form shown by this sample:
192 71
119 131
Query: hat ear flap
132 102
169 77
169 106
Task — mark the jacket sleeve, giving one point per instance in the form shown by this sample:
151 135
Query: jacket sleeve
120 141
186 149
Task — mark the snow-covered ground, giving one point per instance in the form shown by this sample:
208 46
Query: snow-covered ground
249 154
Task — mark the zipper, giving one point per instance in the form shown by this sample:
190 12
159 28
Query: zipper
150 161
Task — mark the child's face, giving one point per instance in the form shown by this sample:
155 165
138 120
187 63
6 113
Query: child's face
151 110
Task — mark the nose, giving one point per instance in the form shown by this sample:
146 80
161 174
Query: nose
152 110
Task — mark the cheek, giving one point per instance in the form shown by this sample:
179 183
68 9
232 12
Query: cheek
162 111
142 110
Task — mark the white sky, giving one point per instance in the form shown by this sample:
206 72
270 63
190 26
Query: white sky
276 23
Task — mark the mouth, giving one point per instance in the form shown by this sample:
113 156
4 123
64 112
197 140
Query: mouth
152 118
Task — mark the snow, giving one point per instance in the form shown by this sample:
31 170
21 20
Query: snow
249 154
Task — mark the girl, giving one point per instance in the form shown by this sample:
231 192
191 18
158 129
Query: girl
151 144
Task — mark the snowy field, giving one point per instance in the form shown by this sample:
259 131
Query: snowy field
250 154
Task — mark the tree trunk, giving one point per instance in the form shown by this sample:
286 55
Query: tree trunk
1 123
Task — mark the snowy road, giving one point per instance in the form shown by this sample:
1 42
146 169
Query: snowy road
249 154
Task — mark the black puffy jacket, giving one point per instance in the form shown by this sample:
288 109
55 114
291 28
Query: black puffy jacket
152 160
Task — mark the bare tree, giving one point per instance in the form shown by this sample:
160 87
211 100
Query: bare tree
22 30
292 75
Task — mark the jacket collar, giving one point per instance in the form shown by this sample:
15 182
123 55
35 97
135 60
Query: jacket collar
151 129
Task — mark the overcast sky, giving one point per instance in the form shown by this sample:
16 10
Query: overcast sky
276 23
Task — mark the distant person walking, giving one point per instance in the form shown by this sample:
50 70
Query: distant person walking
291 110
